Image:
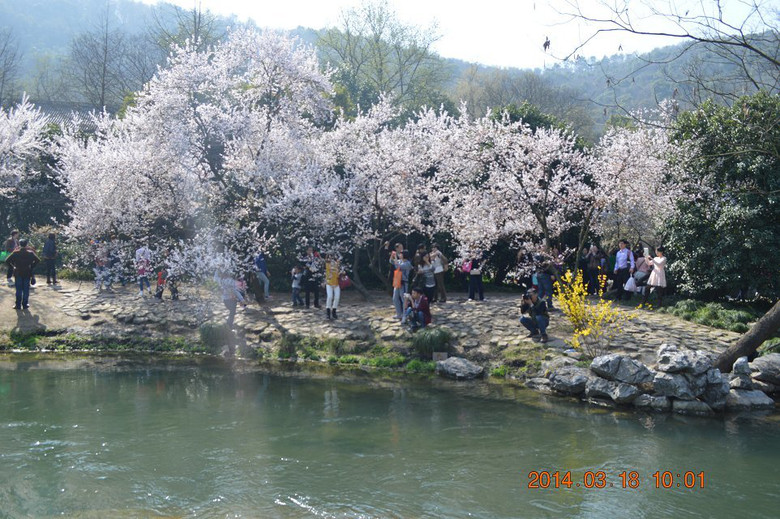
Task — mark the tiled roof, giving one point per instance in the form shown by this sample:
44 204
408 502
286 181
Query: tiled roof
65 114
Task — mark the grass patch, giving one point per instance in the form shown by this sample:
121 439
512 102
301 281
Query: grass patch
431 339
420 366
716 315
349 359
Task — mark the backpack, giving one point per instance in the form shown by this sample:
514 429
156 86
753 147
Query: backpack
466 267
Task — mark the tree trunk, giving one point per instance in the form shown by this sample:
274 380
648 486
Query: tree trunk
750 341
356 275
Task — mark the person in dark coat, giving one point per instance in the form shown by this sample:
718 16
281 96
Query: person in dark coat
23 260
50 257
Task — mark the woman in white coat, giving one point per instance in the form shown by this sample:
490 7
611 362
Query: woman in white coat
657 279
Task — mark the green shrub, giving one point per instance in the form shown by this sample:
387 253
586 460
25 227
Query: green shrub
499 372
332 359
420 366
739 327
310 353
76 275
388 361
215 335
431 339
349 359
332 344
288 345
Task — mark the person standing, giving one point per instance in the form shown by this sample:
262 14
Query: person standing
657 279
427 277
475 277
312 276
624 268
261 268
49 254
11 244
440 265
332 288
143 265
296 276
401 267
23 260
546 277
231 295
538 318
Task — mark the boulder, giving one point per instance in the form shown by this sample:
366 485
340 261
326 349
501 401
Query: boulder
655 403
621 368
458 368
557 362
539 384
716 391
740 381
767 368
767 388
570 380
741 367
619 392
691 407
674 360
744 400
673 385
697 383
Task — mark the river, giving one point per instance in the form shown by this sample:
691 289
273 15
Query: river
173 438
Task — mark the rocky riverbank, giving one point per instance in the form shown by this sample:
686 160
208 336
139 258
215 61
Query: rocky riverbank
75 317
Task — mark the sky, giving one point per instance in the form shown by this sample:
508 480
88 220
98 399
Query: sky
504 33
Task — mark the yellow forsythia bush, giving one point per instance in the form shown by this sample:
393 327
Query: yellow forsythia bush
595 324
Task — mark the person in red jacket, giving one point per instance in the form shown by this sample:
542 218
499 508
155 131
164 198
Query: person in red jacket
418 312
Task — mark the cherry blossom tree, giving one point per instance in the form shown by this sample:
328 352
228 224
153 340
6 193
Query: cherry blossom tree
210 138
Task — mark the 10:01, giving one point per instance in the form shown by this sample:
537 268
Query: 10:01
667 479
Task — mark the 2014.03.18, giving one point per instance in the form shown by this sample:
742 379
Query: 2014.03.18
626 479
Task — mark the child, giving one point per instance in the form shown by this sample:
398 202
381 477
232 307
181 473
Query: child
297 279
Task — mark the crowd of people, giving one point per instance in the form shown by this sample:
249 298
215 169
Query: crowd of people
416 283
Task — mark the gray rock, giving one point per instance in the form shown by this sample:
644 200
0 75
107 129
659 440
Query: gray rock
691 407
767 388
673 385
549 366
697 383
458 368
743 400
621 368
619 392
570 380
674 360
656 403
625 393
741 367
539 384
740 381
767 368
716 391
598 387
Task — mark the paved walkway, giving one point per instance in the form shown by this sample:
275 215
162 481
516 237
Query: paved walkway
485 331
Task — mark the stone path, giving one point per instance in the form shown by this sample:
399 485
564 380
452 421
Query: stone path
484 330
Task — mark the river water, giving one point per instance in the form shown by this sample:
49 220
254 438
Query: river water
118 438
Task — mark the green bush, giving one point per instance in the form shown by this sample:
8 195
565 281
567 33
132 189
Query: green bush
499 372
716 315
431 339
215 335
76 275
420 366
288 345
388 361
349 359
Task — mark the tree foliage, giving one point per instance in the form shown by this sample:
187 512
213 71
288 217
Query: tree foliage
726 225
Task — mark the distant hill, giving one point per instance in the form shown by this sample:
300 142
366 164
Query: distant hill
45 28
